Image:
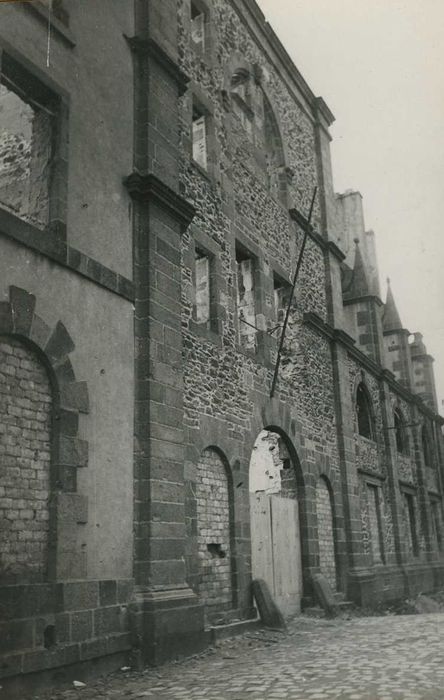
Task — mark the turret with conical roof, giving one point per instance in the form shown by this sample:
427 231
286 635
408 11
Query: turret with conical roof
362 307
424 377
396 342
391 320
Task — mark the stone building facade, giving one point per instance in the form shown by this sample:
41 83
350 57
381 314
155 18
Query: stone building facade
156 181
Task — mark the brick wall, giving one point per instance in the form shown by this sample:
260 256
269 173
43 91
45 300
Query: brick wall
213 519
325 533
25 423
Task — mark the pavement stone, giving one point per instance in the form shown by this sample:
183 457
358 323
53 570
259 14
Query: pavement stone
374 658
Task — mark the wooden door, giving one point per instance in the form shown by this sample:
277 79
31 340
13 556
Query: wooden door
275 548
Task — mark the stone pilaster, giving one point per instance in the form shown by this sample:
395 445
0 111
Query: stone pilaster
167 617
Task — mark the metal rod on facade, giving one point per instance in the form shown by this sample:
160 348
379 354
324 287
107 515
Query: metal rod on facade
287 313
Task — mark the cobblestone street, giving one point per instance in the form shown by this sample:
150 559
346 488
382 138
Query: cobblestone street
375 658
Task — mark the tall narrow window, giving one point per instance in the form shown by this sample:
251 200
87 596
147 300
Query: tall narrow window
202 277
246 299
365 422
282 292
199 137
436 522
374 512
425 440
197 27
400 433
412 538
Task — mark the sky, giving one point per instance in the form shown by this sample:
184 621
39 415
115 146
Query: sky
379 65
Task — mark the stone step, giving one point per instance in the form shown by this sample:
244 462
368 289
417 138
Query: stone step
233 629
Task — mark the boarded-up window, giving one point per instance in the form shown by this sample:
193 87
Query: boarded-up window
202 277
199 134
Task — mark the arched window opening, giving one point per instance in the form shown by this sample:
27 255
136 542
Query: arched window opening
253 109
400 432
213 527
326 542
274 155
25 446
426 447
364 415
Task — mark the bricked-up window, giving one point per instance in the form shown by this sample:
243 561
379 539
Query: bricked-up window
212 494
324 514
198 21
246 303
410 524
364 414
28 115
25 436
374 517
202 282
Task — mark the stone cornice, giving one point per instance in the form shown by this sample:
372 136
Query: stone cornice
145 187
339 336
147 46
324 110
366 297
402 331
51 246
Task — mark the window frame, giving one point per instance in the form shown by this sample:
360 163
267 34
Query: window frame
362 389
375 487
33 83
401 437
241 248
211 329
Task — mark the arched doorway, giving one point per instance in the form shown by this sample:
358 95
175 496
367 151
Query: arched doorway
274 513
324 512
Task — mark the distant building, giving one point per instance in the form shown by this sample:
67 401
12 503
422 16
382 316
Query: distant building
155 185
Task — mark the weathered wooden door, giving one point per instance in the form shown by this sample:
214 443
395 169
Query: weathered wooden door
275 548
